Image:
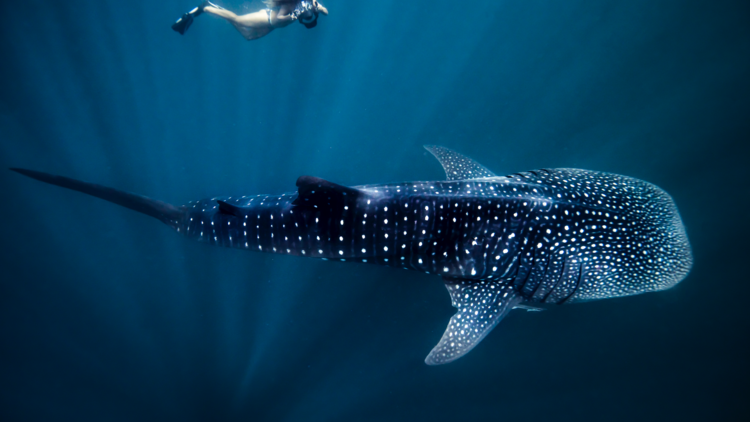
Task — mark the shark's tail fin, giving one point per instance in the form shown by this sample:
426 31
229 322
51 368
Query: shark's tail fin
167 213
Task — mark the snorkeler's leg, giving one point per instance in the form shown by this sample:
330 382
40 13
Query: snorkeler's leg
222 13
255 19
252 20
259 19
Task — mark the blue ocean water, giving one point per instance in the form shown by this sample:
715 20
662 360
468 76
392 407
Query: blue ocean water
106 314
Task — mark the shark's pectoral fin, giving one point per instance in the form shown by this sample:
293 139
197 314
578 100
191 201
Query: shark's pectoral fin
316 192
457 166
481 305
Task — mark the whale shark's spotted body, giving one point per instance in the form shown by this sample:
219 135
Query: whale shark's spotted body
549 236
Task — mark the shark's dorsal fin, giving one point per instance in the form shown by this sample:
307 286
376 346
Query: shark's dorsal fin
481 305
457 166
316 192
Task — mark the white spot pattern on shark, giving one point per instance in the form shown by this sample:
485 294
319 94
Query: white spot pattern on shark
546 236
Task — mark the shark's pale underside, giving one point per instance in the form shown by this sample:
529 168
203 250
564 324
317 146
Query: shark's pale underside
546 236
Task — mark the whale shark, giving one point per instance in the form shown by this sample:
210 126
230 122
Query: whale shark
547 236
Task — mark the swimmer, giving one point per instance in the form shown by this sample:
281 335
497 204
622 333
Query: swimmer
252 26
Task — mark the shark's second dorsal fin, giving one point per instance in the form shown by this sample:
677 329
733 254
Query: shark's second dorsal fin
229 209
457 166
480 306
319 193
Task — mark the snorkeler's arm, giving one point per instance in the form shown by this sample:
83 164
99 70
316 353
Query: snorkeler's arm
322 9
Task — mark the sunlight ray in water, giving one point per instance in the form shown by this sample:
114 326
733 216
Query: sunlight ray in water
104 312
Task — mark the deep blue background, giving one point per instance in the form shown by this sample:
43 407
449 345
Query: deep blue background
108 315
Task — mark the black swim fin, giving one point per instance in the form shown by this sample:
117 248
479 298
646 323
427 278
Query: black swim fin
183 23
186 20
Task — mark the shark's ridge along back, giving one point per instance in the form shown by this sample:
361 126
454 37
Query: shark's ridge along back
499 243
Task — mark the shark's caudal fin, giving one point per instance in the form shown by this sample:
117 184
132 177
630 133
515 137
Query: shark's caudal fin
481 305
167 213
